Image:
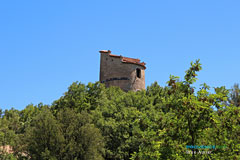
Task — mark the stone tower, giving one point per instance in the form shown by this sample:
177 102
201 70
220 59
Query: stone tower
126 73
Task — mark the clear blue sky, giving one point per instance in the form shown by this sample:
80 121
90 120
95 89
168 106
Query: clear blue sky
46 45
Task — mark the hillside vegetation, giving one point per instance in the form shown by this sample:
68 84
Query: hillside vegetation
91 122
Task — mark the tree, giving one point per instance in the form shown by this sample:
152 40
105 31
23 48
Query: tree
182 117
43 138
82 140
235 95
94 122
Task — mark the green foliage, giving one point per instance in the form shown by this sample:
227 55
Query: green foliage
91 122
234 97
43 137
82 140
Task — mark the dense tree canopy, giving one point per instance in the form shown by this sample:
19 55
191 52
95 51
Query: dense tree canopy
91 122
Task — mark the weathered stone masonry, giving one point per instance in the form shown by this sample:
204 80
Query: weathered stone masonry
127 73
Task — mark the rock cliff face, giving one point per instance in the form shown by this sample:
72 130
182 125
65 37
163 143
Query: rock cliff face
126 73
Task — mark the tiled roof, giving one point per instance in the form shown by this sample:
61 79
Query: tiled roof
133 60
112 55
125 59
105 51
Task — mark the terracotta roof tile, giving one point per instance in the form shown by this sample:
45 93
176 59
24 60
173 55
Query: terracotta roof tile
112 55
105 51
125 59
133 60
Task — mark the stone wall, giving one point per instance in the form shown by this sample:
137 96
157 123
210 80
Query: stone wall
113 72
